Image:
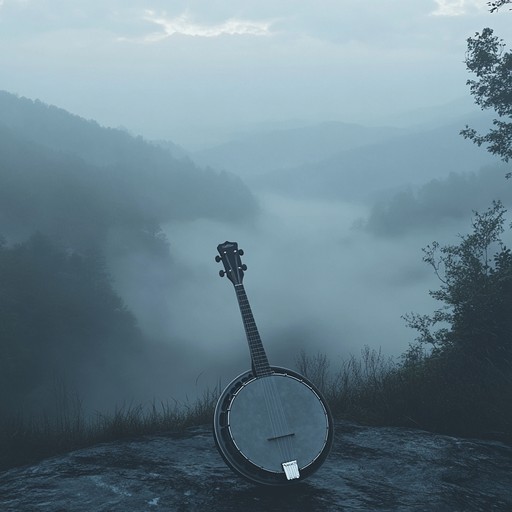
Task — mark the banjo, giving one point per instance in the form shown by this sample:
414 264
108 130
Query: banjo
271 425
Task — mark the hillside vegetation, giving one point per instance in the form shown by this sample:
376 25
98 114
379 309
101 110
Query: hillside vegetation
74 197
128 179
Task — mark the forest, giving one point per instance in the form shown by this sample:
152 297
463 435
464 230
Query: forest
70 188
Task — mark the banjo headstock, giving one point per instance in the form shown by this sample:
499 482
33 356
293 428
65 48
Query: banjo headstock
233 267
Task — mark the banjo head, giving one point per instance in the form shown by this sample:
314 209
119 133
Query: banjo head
261 423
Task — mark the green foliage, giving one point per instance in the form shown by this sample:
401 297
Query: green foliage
492 89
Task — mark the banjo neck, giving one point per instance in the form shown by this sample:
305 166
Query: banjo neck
258 356
234 269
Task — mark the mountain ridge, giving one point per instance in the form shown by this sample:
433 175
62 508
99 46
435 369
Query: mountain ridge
409 159
258 152
155 182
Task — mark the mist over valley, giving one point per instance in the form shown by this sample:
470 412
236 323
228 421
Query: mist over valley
333 246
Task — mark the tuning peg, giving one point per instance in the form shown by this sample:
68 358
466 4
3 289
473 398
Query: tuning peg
221 273
241 252
218 258
244 267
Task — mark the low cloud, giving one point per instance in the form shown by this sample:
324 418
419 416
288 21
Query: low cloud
184 25
455 7
314 283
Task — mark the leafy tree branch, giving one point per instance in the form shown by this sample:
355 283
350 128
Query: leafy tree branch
492 89
494 6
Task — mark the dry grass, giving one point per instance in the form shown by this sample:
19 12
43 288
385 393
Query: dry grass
420 391
465 397
356 387
25 439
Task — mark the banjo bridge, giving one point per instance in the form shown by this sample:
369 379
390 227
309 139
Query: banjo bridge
280 437
291 470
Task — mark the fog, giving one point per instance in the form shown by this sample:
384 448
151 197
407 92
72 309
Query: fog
316 281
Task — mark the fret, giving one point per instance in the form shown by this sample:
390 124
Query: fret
258 355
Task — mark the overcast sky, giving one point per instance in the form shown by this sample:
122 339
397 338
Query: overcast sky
185 70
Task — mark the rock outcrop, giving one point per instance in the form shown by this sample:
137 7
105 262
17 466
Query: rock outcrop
368 469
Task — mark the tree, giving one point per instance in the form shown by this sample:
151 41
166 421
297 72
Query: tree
457 377
476 289
494 6
59 317
492 89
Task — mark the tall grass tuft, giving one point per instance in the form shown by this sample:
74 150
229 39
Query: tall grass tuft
463 396
25 438
460 396
356 388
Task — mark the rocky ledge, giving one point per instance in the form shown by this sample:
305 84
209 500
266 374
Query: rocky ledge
369 468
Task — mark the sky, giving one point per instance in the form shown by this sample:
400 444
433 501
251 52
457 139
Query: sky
195 71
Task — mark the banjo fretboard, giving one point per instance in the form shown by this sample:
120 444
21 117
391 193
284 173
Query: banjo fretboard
258 355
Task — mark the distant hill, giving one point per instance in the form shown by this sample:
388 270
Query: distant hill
411 158
439 201
57 129
175 149
259 152
60 173
436 115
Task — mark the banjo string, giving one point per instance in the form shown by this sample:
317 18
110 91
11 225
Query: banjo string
281 419
274 407
277 417
271 406
273 401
